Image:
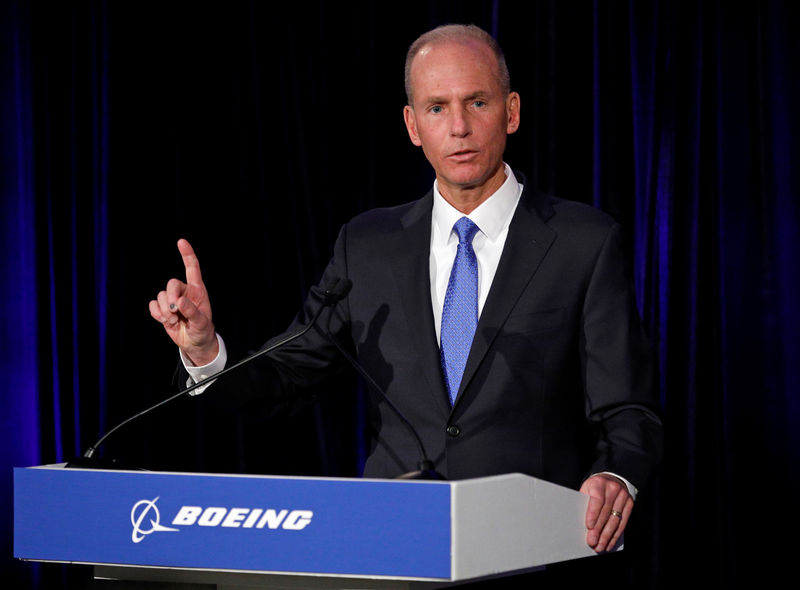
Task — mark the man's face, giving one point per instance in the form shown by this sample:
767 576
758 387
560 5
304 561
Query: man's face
460 117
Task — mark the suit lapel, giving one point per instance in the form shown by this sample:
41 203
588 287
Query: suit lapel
528 241
411 262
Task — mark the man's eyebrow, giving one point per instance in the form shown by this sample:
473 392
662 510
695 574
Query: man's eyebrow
477 94
434 100
471 96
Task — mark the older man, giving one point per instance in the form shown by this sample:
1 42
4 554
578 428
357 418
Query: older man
498 320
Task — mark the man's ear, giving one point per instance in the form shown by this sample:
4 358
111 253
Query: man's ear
512 112
411 125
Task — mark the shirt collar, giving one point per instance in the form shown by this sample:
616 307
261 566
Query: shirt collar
491 216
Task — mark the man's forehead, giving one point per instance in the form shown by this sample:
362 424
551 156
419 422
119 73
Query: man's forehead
469 56
466 45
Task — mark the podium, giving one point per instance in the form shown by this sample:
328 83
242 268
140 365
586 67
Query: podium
249 531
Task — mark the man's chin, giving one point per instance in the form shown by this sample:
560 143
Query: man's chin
472 181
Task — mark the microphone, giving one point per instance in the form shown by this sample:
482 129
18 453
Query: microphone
335 292
425 467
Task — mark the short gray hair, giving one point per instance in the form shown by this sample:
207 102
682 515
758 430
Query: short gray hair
458 34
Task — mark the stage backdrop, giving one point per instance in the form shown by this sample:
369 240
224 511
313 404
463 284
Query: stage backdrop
255 129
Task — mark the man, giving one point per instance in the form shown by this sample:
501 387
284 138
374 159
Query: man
509 339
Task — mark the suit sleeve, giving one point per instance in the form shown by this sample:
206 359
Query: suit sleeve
619 372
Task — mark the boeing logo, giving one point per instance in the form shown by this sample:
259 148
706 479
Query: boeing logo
138 513
213 516
246 518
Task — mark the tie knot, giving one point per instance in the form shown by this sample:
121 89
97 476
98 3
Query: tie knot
465 229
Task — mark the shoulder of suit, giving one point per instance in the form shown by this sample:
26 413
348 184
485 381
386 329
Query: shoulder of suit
572 222
556 211
387 219
581 212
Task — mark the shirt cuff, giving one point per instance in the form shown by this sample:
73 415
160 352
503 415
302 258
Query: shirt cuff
631 488
197 374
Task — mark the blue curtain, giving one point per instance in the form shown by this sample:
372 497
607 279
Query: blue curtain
19 377
256 131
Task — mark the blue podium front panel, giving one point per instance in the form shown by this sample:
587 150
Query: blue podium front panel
247 523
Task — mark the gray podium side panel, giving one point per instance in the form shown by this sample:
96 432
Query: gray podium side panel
513 522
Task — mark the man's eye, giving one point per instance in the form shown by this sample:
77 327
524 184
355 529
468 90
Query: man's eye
436 109
479 104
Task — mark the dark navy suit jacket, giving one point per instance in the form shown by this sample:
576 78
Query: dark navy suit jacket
559 382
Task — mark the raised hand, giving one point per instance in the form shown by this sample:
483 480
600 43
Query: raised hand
185 311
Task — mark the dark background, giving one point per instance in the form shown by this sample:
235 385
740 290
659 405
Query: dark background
256 129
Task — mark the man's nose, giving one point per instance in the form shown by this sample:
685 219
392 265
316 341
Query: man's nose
459 124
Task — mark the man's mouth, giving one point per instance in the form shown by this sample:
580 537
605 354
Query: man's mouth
462 155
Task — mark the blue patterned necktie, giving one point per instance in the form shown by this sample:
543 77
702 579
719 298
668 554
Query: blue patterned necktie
460 311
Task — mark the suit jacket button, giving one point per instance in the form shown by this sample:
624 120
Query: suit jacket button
453 430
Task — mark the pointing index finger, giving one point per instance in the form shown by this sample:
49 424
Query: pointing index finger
190 263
